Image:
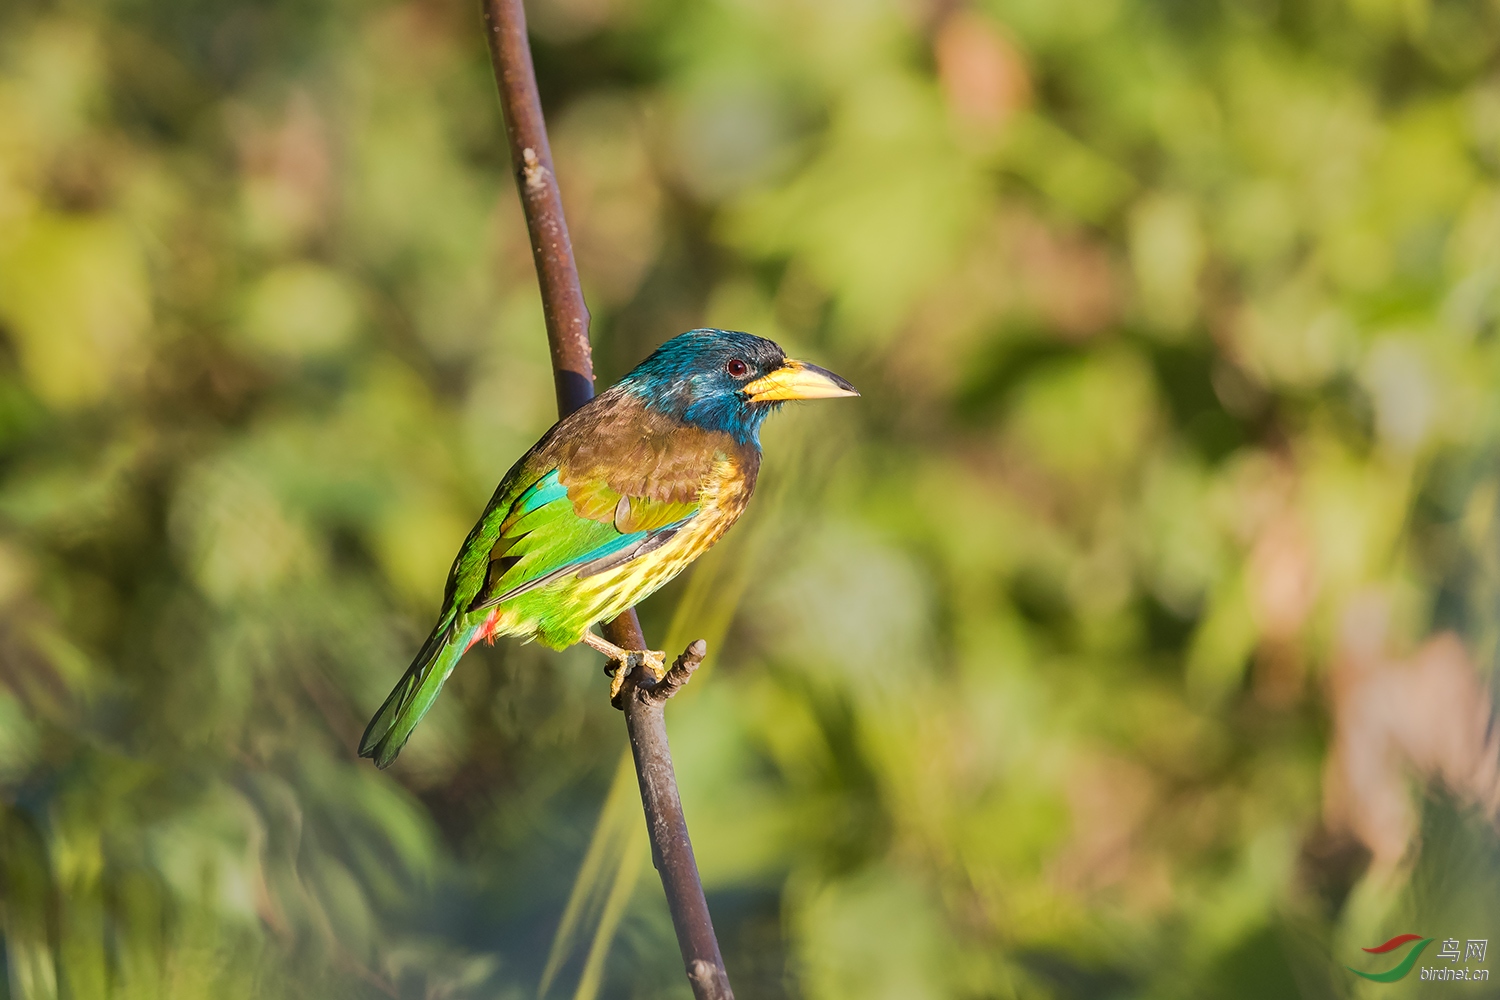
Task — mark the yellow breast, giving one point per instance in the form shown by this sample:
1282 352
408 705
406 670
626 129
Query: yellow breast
720 503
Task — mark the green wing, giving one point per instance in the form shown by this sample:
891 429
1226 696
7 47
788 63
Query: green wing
605 485
555 530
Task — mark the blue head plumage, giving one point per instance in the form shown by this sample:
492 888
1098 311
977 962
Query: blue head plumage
699 377
723 380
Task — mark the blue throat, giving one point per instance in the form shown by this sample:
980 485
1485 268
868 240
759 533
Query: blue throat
735 417
712 410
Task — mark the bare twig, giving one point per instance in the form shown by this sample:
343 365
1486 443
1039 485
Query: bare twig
531 157
573 374
680 673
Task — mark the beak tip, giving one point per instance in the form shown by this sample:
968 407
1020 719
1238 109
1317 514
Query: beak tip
838 380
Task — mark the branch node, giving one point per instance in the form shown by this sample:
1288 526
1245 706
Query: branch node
535 173
671 682
681 671
707 981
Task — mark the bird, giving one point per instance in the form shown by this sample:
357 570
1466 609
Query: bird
611 503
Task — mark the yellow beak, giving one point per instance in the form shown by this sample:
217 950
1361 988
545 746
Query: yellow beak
798 380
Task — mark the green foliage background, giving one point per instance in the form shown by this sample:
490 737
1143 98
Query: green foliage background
1176 324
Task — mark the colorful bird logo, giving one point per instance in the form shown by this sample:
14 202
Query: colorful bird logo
1404 966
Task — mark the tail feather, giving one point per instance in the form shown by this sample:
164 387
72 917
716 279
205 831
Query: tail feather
414 694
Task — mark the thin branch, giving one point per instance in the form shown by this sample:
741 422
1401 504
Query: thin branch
531 158
573 375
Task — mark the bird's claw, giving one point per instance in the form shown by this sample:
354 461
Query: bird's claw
623 661
653 660
618 670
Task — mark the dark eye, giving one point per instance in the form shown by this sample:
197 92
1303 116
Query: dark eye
737 368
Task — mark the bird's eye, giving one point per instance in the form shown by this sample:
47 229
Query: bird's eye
737 368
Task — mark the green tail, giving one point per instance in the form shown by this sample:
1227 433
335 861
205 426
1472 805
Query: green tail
388 732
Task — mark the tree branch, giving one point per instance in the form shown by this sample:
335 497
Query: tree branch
573 375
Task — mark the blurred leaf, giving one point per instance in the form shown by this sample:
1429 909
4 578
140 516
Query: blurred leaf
78 307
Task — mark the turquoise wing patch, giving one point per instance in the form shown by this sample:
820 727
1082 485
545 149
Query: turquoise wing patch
543 539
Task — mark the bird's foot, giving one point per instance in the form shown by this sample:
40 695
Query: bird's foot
623 661
654 661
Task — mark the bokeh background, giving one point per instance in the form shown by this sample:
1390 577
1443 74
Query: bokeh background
1130 637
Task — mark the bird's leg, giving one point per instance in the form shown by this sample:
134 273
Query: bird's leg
654 660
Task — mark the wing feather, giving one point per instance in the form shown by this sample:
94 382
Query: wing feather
607 484
547 537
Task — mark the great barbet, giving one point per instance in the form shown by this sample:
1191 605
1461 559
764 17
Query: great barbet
615 500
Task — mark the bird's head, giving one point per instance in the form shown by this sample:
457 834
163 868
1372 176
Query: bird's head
727 381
